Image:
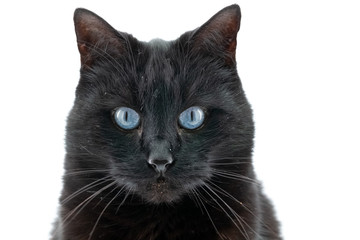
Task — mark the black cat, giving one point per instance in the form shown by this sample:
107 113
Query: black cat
160 138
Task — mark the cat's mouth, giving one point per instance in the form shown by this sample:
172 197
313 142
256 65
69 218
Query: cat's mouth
161 187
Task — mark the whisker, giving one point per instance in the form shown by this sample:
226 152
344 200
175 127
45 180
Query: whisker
241 228
84 172
235 176
200 197
230 158
102 212
86 188
87 150
73 213
104 197
123 201
228 163
75 194
227 194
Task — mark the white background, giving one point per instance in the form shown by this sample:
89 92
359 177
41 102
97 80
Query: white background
299 62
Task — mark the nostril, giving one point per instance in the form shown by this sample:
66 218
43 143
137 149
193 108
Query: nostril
160 162
160 165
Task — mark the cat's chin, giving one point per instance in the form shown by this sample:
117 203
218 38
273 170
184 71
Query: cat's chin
160 192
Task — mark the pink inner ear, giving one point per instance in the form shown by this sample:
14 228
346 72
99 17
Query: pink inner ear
84 54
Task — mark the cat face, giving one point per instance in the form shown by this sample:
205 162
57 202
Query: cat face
158 118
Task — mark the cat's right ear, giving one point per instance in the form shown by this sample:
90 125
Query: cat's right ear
94 35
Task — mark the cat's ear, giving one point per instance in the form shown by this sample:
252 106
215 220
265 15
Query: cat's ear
218 35
94 35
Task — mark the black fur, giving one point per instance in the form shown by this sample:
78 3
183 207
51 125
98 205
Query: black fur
210 190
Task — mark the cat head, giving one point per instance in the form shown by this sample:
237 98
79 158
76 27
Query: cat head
158 118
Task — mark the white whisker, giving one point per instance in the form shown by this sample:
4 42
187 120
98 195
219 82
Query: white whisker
237 217
234 176
84 172
123 201
225 193
200 197
85 188
73 213
102 212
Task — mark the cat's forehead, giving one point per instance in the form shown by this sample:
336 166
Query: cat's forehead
158 63
157 81
161 76
172 77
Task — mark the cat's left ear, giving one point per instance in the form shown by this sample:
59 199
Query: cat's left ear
218 35
94 35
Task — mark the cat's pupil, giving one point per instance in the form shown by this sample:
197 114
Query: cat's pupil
192 116
126 116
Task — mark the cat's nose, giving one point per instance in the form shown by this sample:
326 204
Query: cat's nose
160 165
160 157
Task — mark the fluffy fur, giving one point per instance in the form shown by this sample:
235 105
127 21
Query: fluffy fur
209 191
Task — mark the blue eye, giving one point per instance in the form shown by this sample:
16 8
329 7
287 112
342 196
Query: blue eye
192 118
126 118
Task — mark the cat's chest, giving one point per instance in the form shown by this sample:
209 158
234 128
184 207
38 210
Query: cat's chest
160 224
